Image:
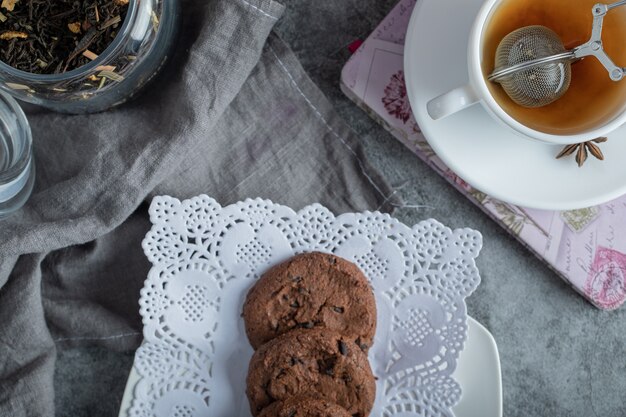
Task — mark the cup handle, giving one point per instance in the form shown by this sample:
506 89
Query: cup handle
452 102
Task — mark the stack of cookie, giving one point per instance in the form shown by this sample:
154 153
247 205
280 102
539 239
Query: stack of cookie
311 321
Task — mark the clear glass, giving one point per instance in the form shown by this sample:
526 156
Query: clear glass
17 168
141 48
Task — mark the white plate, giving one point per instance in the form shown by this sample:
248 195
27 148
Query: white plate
478 372
484 153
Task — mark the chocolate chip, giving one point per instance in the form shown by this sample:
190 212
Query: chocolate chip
361 345
343 349
295 304
307 325
266 388
327 365
339 310
297 278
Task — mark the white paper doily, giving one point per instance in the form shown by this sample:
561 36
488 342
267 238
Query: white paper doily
194 359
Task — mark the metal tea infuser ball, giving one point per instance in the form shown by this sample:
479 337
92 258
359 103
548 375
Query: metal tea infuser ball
534 68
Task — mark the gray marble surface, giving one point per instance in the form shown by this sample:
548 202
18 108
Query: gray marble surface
560 356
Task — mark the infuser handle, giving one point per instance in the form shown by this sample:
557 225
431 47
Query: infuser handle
616 4
594 46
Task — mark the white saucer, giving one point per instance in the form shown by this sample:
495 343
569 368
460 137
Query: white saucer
478 372
485 154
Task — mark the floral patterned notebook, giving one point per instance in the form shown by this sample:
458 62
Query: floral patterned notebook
585 247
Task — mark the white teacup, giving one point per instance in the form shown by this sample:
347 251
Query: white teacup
477 91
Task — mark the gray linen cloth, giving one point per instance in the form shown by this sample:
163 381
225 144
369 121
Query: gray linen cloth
233 116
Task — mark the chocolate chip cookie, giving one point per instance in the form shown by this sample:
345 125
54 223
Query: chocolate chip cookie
303 407
312 290
318 363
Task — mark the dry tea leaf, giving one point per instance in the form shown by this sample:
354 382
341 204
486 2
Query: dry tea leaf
105 68
74 27
16 86
90 55
111 76
113 21
121 2
12 34
83 44
155 22
3 18
9 4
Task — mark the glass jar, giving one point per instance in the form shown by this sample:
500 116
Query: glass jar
17 169
141 48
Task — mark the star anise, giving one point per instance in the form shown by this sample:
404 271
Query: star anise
583 150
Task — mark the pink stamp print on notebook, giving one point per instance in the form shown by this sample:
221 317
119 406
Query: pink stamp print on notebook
606 283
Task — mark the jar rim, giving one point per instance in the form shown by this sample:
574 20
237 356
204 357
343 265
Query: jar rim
133 6
12 107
